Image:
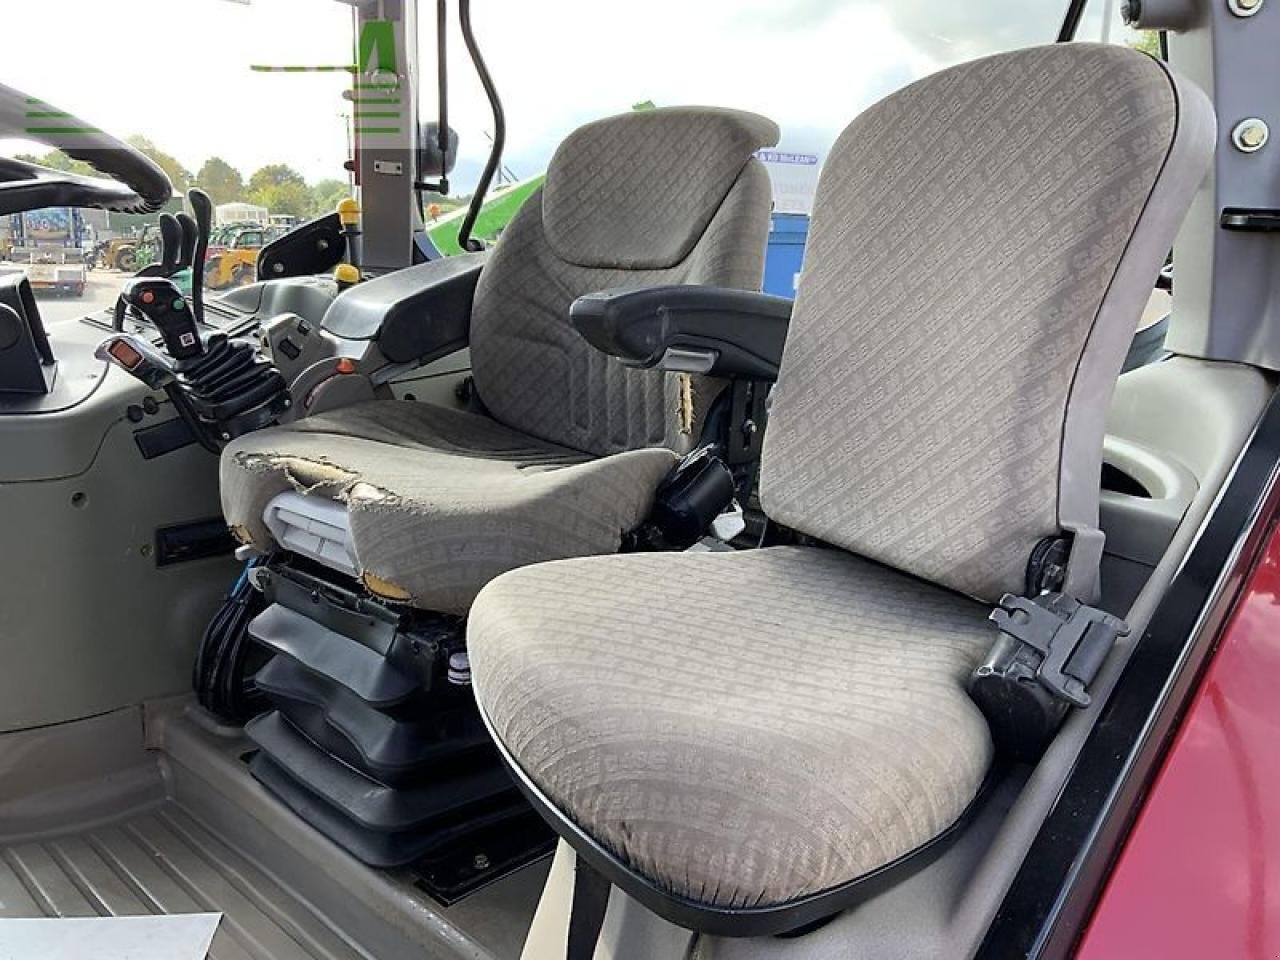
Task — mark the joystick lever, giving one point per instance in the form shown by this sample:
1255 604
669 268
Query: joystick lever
161 302
190 233
202 212
170 243
170 249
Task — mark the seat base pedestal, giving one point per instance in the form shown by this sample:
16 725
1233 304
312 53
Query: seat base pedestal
374 742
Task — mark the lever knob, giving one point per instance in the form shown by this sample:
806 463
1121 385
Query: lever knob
164 305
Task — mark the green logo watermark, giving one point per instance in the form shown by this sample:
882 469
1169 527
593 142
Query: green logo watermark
372 94
375 89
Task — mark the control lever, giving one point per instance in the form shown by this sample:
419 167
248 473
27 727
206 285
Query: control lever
229 389
190 232
161 302
136 356
170 249
202 207
170 243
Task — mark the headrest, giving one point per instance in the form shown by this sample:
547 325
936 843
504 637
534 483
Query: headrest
636 191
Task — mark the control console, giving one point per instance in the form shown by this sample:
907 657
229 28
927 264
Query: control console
220 386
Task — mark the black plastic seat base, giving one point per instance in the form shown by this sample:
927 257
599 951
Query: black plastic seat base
368 803
449 863
437 739
375 744
363 671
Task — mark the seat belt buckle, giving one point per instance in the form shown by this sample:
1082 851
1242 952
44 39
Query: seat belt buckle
1071 639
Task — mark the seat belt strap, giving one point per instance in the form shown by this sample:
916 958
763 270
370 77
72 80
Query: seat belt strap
586 916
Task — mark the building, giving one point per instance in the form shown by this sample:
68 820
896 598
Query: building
241 213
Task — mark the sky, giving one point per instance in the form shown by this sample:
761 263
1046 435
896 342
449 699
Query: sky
177 71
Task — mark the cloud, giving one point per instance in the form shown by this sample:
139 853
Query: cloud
811 65
585 60
177 71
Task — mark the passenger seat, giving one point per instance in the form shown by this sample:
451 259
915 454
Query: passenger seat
749 741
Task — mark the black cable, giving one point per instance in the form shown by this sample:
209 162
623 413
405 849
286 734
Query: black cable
499 131
225 659
1071 22
442 81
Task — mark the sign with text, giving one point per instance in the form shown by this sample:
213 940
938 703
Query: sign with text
794 177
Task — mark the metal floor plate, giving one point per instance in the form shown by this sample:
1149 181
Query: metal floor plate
164 862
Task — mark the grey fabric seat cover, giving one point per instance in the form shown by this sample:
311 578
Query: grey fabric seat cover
441 501
742 766
657 197
974 274
749 728
450 500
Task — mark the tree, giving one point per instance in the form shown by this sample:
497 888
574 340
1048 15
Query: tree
291 197
57 160
274 175
221 181
1148 42
326 195
179 175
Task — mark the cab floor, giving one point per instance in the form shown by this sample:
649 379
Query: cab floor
153 810
164 862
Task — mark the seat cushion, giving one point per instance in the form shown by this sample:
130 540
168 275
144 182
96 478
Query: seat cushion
799 722
441 501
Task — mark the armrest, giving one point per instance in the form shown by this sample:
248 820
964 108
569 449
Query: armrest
417 314
737 334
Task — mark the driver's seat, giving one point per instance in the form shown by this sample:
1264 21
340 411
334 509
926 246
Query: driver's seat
571 446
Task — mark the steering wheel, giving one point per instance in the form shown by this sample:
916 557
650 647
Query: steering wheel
137 184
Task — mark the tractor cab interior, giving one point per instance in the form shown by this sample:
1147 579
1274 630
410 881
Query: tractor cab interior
569 595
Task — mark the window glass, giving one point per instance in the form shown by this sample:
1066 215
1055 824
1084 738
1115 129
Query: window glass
1103 22
245 97
811 65
198 85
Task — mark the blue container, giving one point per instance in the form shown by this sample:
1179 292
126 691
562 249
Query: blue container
785 256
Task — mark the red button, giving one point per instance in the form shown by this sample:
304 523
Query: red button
346 365
123 352
148 297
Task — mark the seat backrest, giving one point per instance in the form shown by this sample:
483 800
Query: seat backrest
982 246
672 195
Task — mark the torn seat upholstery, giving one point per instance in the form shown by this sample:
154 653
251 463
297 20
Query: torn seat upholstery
573 445
441 501
743 741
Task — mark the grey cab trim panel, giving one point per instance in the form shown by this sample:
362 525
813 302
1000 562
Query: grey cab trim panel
419 313
58 435
89 621
1227 297
309 297
1139 527
1087 404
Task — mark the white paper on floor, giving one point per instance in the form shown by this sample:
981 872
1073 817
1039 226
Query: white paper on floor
178 937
